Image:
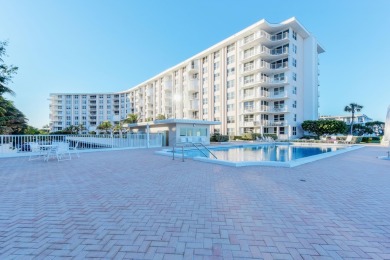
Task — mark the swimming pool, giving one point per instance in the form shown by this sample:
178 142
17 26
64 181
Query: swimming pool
282 154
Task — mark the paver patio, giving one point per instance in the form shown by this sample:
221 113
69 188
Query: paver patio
137 205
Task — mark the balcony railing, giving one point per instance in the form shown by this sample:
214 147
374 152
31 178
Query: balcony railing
274 123
279 37
193 85
249 123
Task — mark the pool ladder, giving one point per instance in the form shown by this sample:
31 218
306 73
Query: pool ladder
196 145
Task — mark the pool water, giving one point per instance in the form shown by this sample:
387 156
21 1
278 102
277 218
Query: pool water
274 153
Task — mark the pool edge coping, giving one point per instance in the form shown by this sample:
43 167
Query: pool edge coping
289 164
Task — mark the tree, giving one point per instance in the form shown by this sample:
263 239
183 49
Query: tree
160 117
131 118
81 128
324 127
12 121
376 127
353 108
6 72
119 128
72 129
31 131
105 126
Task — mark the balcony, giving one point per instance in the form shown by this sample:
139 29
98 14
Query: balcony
267 53
280 95
265 38
254 39
249 123
194 105
275 82
149 92
274 123
193 86
193 66
278 109
250 55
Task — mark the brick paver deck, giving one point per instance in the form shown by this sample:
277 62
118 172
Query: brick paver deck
137 205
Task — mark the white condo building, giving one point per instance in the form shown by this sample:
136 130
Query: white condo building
263 79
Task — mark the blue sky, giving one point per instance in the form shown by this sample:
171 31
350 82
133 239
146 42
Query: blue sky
106 46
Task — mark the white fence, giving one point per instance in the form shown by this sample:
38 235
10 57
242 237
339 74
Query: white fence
18 145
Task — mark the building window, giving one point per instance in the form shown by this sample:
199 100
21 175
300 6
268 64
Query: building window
294 130
230 107
216 54
279 118
294 62
230 131
216 87
294 90
294 35
294 75
249 52
248 118
216 76
205 111
294 105
249 79
295 117
294 48
230 84
281 130
216 109
249 38
231 48
279 77
230 95
230 60
205 101
230 119
230 71
216 65
216 98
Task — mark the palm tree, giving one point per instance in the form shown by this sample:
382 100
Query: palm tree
81 128
106 126
131 118
353 108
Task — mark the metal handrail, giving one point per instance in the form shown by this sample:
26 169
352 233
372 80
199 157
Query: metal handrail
193 144
205 148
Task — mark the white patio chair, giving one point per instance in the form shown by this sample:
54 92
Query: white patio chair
348 140
75 149
59 151
35 151
63 152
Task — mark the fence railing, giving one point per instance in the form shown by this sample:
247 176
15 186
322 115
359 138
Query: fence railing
18 145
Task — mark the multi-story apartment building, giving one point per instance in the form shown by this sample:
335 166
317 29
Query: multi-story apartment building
263 79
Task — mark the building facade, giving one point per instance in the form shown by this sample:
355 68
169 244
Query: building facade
359 119
263 79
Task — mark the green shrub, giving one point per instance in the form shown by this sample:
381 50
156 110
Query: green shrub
273 136
219 138
247 136
375 139
222 138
